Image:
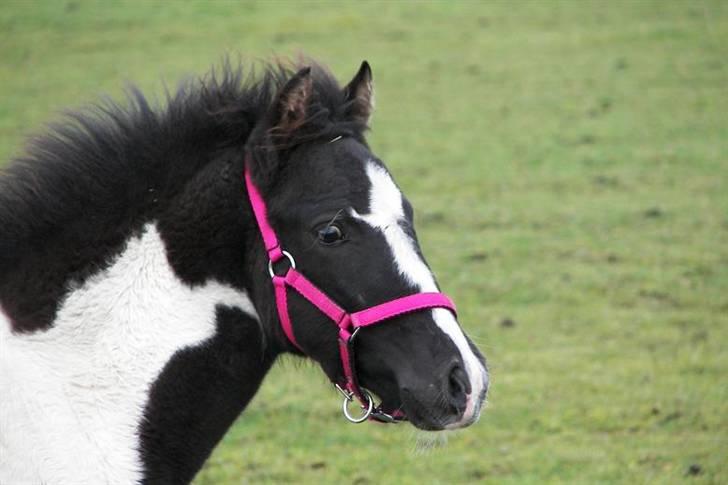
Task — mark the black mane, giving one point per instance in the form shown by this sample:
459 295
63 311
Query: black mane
101 172
108 152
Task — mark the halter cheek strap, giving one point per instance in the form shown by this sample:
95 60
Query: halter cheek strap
348 324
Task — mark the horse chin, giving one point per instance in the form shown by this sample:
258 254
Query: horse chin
432 424
423 417
431 421
423 410
434 416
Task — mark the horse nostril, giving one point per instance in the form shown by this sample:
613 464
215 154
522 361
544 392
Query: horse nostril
458 389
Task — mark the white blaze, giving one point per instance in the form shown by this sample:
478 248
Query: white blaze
72 397
386 211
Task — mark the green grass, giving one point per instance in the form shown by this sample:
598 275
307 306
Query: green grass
569 166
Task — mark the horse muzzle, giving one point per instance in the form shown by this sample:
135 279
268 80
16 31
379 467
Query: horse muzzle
451 401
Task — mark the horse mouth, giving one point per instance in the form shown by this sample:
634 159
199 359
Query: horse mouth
438 416
429 419
422 417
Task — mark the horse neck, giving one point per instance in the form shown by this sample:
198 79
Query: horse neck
147 361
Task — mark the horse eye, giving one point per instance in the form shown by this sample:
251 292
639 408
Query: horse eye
330 234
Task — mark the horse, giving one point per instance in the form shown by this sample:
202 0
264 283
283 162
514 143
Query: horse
142 301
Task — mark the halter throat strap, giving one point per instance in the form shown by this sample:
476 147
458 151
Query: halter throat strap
348 323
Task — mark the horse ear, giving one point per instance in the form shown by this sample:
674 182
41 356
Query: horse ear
285 115
289 111
360 94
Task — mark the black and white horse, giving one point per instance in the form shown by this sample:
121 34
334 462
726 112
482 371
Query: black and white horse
137 316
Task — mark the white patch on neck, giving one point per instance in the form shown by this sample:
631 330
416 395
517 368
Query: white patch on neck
386 210
73 396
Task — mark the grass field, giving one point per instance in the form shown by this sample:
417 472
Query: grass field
568 162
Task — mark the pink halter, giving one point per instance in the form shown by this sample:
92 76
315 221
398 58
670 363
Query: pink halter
348 323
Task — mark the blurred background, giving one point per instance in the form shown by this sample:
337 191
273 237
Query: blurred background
568 162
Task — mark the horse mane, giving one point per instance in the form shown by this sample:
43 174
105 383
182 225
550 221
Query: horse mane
112 155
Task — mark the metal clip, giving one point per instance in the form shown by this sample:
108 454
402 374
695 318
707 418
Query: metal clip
383 417
348 398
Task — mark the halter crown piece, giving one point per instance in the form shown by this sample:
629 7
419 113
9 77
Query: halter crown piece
349 324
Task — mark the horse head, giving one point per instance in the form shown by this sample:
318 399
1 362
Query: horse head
344 222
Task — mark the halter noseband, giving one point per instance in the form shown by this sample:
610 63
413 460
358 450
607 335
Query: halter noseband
349 323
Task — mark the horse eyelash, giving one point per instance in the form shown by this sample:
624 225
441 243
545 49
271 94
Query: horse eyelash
333 219
328 224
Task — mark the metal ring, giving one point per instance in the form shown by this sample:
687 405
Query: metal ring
367 410
291 261
353 334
